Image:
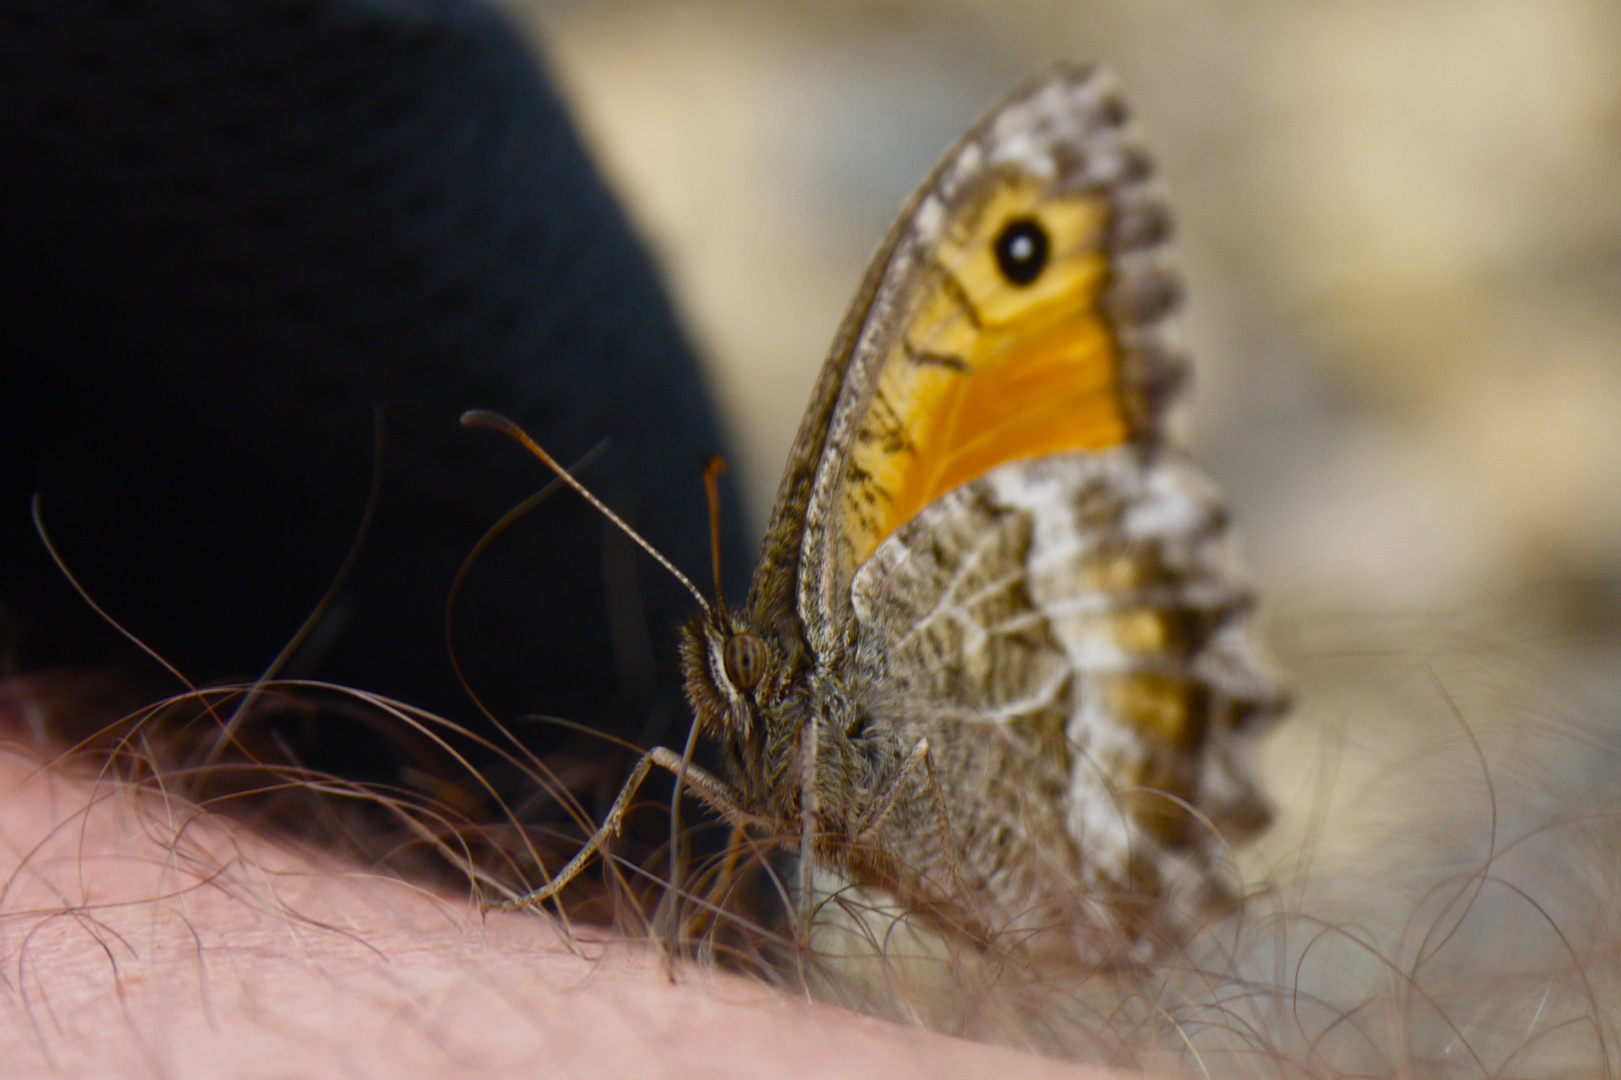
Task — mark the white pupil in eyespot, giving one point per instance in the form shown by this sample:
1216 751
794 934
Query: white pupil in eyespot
1022 248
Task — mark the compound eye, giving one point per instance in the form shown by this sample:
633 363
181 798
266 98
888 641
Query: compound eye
744 659
1021 250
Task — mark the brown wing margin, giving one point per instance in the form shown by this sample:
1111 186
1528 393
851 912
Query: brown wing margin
773 593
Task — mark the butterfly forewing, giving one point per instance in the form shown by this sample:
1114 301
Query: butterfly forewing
966 358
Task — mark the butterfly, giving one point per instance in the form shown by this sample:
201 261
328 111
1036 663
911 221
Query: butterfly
995 659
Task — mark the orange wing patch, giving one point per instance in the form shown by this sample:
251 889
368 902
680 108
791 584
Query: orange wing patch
1006 356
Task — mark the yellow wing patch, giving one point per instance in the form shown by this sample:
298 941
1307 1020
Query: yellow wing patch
1005 356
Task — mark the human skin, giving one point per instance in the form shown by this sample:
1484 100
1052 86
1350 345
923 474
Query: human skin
142 936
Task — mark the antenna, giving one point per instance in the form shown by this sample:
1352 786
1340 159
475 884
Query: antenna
496 422
714 469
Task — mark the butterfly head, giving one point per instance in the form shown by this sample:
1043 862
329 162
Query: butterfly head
734 672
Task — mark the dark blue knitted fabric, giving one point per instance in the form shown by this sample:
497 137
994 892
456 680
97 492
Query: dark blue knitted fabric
228 230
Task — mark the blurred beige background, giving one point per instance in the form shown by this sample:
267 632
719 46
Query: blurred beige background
1400 223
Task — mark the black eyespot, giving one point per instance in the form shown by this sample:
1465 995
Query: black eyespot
1022 250
744 659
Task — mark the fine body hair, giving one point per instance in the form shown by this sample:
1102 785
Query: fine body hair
1438 896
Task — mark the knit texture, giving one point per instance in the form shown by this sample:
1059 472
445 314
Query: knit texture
228 233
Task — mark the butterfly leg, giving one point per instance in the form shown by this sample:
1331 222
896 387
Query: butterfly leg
875 817
710 789
920 757
809 814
